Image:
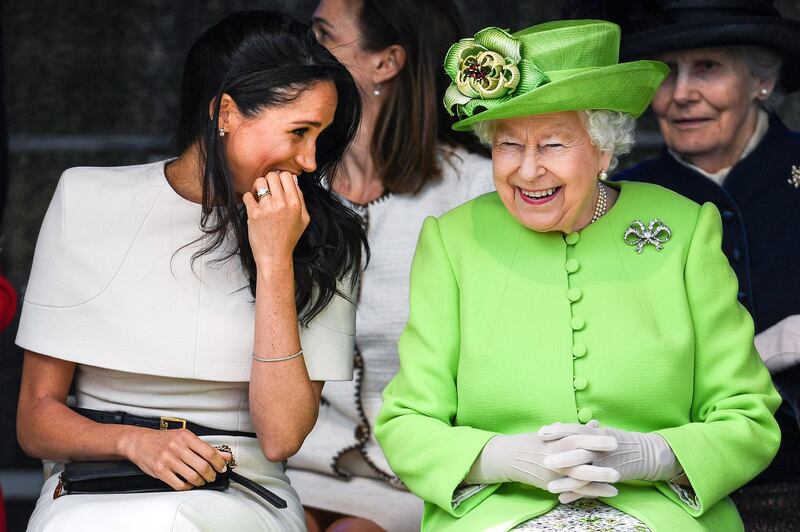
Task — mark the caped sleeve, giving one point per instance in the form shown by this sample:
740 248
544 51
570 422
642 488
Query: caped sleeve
415 426
329 339
46 286
733 435
114 285
67 270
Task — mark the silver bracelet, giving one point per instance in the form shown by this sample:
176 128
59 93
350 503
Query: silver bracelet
295 355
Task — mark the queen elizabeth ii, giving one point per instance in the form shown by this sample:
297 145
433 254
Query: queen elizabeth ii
575 351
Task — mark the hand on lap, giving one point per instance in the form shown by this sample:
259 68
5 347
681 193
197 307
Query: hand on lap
522 458
637 456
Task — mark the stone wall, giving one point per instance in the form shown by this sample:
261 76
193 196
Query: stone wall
94 82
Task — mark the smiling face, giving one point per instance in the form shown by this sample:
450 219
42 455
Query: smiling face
545 170
281 138
707 106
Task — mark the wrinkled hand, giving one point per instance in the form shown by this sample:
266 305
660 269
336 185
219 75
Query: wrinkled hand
639 455
178 457
522 458
275 222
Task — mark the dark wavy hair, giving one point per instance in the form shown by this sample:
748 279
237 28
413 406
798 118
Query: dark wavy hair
263 59
413 122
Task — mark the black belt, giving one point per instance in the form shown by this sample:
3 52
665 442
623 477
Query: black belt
160 423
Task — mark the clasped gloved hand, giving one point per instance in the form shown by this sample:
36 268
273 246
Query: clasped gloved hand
638 455
522 458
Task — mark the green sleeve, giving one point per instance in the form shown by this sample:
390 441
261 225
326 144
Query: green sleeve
415 426
732 435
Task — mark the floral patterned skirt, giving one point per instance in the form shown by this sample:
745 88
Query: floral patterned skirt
585 515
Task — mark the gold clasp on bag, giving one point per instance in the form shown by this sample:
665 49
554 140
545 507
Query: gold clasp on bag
165 421
226 449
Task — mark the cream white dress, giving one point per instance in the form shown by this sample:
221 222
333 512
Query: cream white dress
340 467
113 288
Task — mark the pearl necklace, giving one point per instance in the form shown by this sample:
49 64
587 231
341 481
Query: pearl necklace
602 203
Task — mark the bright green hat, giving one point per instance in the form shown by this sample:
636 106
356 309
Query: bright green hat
566 65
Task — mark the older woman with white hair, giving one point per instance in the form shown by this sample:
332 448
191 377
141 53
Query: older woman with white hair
571 339
730 65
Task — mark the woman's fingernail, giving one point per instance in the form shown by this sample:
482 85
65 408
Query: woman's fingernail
224 468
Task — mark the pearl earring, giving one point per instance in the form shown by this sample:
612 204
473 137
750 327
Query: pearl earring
377 91
603 175
763 92
222 132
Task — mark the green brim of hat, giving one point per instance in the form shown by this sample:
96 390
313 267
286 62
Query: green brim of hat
625 87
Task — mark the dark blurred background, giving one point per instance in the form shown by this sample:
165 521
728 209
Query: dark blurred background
94 82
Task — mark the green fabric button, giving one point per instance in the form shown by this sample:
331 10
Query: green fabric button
574 294
584 415
580 383
577 323
578 350
572 238
571 265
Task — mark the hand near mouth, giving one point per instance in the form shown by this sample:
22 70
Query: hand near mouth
276 221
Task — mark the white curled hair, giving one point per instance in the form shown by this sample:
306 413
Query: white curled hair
609 130
485 132
765 65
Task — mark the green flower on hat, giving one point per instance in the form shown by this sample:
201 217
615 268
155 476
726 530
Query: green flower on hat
486 71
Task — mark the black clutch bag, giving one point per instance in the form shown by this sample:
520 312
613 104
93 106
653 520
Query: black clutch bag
122 476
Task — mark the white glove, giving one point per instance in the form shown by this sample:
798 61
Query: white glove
639 455
779 346
521 458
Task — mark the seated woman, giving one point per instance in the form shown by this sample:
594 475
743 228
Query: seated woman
570 338
172 291
406 163
725 144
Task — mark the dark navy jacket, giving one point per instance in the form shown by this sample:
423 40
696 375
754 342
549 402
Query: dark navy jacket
760 221
760 217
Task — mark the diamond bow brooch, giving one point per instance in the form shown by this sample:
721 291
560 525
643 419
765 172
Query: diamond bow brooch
656 234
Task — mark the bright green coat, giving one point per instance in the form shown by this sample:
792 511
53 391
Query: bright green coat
510 329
